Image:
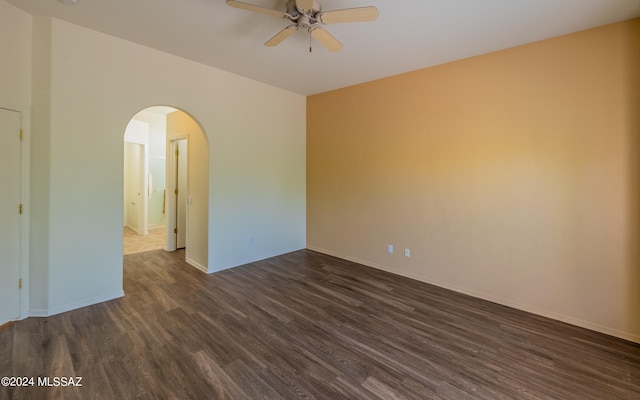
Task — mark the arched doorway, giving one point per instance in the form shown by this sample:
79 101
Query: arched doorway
166 178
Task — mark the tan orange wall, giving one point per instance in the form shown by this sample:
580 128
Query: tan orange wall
509 176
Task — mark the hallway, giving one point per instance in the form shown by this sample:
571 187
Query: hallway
134 243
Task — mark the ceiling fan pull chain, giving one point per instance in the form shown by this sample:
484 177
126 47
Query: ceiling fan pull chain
309 42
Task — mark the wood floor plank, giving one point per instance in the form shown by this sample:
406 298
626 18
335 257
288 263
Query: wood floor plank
308 326
223 387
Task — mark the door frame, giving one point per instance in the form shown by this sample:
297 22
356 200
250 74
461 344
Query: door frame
170 201
25 182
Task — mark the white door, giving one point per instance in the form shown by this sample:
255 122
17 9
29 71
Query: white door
9 215
181 197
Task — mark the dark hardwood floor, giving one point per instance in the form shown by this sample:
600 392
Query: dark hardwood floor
306 325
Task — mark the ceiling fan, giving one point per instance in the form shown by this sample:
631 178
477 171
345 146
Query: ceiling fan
308 15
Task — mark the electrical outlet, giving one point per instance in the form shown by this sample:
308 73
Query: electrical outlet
407 252
390 249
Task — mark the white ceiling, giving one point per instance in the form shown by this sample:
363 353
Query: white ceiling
409 34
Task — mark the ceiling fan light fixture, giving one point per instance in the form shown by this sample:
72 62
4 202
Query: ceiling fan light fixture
308 15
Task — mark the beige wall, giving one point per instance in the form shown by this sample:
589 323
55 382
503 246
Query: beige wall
508 175
180 126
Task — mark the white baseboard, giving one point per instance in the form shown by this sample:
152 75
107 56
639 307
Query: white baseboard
494 299
132 228
249 260
196 265
39 312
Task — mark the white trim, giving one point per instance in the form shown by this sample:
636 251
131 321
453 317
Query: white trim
133 228
76 305
488 297
196 265
249 260
39 313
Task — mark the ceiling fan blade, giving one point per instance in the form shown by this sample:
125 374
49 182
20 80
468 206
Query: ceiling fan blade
306 5
326 39
282 35
361 14
251 7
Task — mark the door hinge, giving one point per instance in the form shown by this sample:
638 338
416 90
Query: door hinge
177 152
21 134
176 192
20 209
175 231
20 283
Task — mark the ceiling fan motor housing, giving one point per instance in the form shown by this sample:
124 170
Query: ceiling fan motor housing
294 11
305 19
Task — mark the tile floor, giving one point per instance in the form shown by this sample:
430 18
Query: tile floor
134 243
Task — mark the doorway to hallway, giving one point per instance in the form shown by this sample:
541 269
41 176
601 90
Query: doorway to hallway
145 181
172 183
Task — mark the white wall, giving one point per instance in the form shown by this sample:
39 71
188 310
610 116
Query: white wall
157 163
136 133
15 68
157 122
15 94
40 156
256 137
